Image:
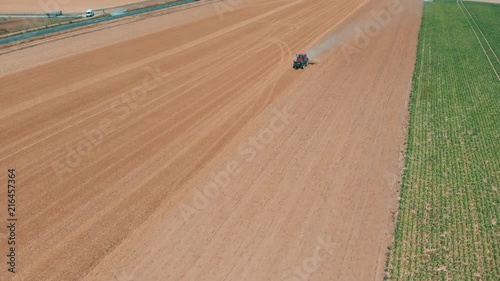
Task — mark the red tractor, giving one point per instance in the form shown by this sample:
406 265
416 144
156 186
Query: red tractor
301 61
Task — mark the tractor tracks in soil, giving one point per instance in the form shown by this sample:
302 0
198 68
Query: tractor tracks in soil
320 177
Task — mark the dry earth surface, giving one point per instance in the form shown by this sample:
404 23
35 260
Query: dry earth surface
67 6
197 153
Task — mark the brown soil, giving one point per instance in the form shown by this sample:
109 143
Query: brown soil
311 192
67 6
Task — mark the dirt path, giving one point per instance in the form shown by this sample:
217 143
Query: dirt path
226 164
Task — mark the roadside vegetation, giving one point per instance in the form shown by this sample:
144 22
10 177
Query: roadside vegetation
449 218
11 25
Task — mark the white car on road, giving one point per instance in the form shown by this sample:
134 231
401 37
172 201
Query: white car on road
89 13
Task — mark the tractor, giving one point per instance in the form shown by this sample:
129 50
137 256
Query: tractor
301 61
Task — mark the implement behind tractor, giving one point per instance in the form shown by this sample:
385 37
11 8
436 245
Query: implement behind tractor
301 61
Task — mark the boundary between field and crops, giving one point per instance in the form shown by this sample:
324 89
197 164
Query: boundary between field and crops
421 40
462 7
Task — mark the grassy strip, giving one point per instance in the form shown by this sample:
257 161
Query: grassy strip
448 224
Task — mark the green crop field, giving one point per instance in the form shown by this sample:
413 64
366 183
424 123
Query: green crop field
449 218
